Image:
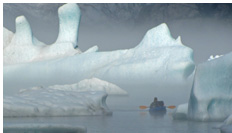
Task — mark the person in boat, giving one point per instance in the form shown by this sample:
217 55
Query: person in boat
156 103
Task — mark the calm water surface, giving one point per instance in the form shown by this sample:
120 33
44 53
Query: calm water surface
124 122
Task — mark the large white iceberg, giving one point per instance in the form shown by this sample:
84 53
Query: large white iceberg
158 58
211 94
88 97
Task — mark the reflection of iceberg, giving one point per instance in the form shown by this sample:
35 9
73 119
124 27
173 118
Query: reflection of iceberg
87 97
211 95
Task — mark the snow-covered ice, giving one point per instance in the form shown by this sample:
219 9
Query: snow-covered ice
211 94
87 97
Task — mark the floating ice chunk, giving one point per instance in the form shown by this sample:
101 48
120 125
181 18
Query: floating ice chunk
216 56
181 112
87 97
211 95
54 102
69 18
48 128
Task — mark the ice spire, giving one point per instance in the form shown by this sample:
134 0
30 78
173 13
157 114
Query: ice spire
69 19
23 34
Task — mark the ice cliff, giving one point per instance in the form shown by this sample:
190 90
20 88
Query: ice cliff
211 94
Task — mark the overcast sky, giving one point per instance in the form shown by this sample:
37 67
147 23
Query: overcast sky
206 28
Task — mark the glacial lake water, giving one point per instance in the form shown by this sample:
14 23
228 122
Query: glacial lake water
136 121
126 117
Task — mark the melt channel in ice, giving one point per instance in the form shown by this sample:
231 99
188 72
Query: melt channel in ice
88 97
211 94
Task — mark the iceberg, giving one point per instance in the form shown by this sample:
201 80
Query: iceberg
181 112
158 58
87 97
150 61
211 94
53 128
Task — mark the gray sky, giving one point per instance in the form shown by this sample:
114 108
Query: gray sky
206 28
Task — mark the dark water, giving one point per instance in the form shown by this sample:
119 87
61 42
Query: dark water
136 121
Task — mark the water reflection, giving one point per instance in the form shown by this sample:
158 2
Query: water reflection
137 121
157 114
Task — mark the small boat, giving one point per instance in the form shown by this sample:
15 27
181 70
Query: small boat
158 110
